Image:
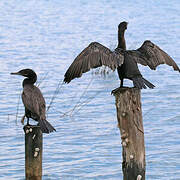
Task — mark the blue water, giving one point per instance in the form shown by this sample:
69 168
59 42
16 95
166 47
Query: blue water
46 36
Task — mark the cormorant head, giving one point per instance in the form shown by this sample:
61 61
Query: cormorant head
123 26
25 72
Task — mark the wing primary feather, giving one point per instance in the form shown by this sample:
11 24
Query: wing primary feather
151 55
93 56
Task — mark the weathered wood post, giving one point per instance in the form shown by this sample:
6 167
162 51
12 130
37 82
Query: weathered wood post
33 152
129 115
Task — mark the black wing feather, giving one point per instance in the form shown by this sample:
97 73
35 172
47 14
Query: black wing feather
33 100
93 56
151 55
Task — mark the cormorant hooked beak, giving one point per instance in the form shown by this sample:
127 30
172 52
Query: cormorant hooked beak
23 72
15 73
19 73
126 24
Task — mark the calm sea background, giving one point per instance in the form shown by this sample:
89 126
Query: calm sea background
46 36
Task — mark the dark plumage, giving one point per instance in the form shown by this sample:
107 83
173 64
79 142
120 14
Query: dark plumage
33 100
96 55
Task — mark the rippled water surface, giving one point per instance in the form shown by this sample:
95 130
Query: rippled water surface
46 36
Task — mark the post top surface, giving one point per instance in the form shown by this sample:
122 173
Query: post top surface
123 89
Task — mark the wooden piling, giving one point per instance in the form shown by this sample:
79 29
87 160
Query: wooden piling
33 152
129 115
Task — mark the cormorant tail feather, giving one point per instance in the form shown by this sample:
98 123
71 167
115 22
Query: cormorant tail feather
150 85
45 126
141 83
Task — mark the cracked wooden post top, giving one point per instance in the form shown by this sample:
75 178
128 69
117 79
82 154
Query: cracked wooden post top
129 116
33 152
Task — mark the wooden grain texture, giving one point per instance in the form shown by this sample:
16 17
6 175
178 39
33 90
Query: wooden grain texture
129 115
33 152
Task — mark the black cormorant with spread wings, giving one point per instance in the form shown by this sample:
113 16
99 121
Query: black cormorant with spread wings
125 61
33 100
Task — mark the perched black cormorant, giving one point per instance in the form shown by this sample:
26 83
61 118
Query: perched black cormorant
96 55
33 100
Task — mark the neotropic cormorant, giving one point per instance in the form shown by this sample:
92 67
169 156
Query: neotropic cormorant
96 55
33 100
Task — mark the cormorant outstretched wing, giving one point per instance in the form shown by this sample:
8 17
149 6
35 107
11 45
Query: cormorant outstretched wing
151 55
93 56
33 100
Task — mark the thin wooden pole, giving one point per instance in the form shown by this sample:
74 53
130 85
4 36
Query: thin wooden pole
129 115
33 152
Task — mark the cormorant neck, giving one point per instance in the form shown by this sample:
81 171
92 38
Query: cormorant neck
121 40
30 80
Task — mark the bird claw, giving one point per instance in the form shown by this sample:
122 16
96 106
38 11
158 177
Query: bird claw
22 120
115 90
